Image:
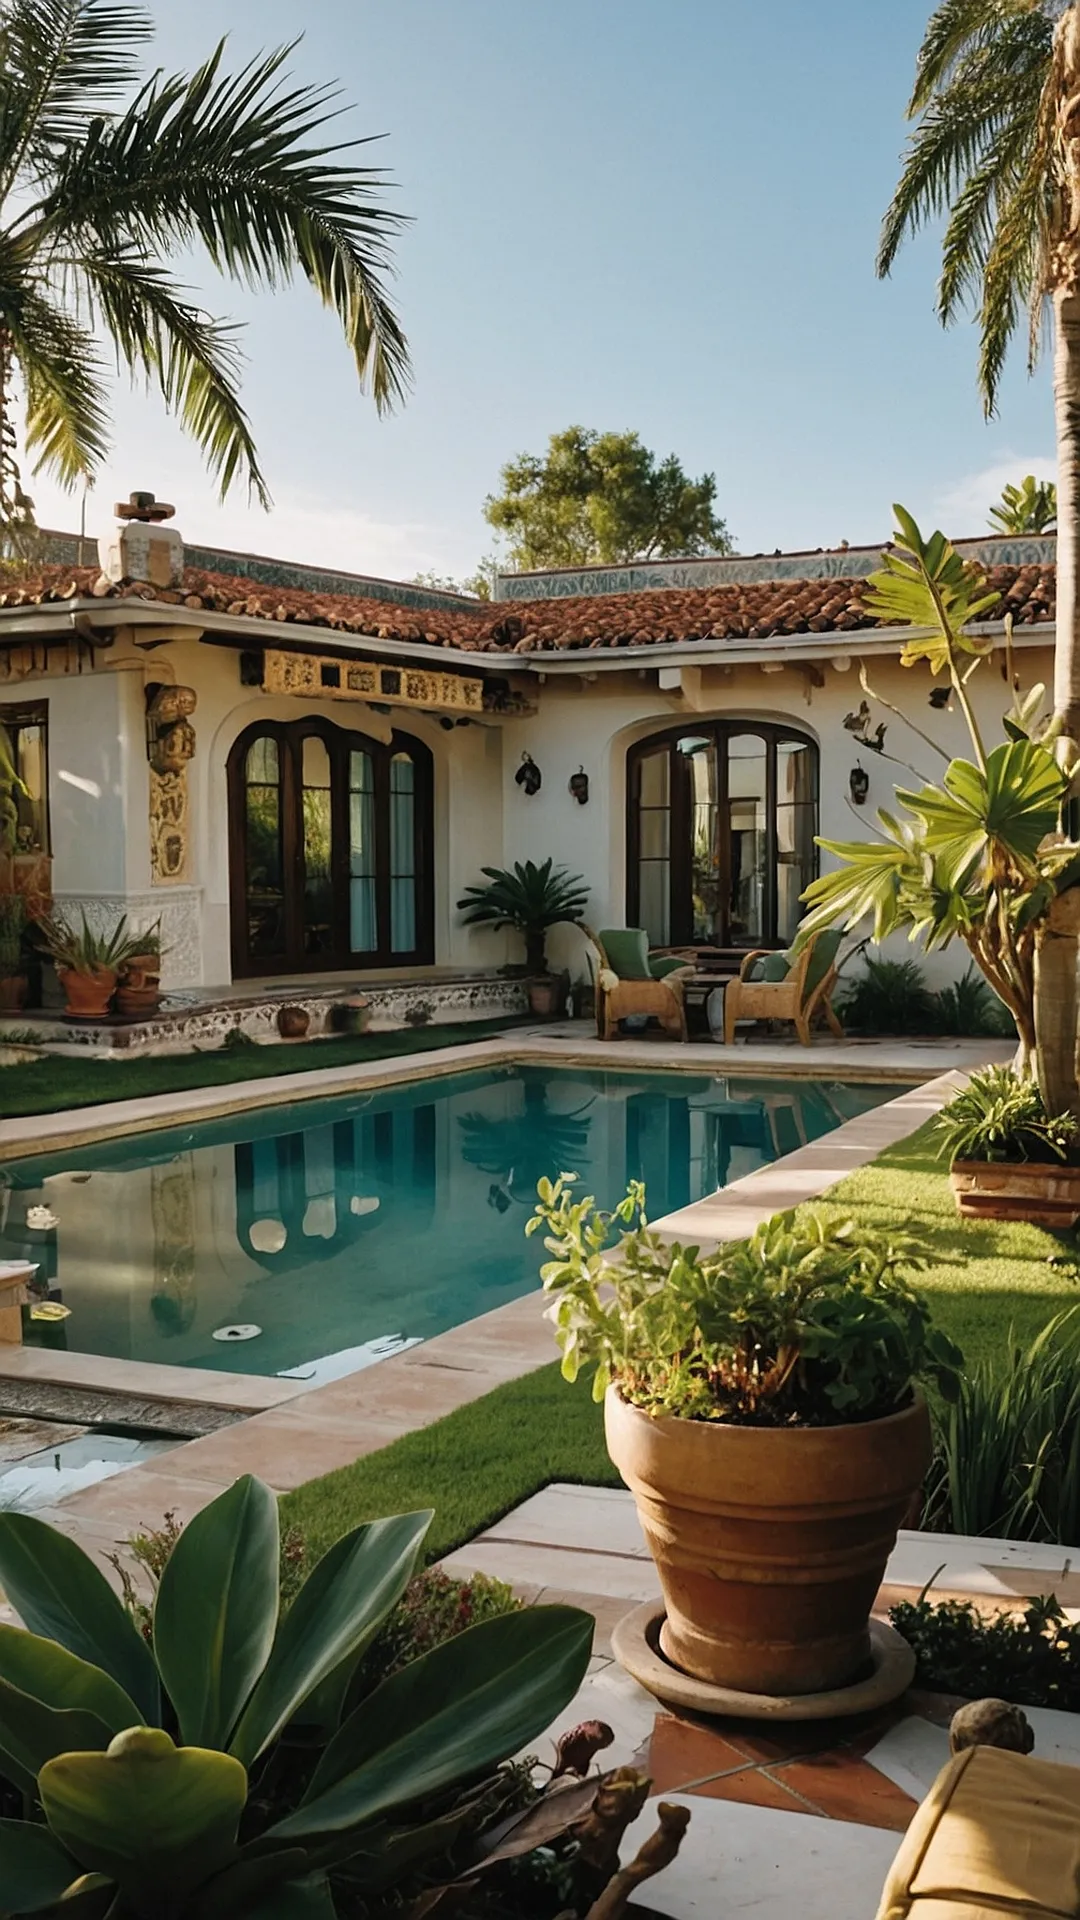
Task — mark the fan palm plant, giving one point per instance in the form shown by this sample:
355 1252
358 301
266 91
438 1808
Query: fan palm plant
103 180
996 152
529 898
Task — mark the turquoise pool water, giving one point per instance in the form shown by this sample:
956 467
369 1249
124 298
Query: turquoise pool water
336 1230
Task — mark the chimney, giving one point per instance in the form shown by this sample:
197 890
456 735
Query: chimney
141 548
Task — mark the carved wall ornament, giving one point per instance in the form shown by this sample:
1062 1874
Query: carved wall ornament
313 676
171 746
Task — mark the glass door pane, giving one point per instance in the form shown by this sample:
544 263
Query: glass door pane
363 920
747 791
402 854
263 879
705 880
318 904
796 825
654 845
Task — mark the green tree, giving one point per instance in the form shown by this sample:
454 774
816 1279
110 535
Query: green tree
995 151
603 498
105 179
1029 508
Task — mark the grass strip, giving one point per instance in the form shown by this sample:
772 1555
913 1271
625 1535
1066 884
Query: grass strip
985 1278
54 1085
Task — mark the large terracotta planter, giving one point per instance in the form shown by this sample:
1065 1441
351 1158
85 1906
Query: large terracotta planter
87 995
1048 1196
14 992
770 1542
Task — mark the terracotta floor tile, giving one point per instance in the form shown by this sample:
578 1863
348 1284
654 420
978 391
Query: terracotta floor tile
796 1739
680 1751
844 1788
750 1787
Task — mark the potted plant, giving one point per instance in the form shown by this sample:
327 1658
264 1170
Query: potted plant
983 857
13 976
87 962
138 992
1007 1154
763 1404
530 899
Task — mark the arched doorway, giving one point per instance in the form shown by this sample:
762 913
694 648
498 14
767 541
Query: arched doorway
721 818
330 849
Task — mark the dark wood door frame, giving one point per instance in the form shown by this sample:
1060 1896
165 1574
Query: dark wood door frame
340 743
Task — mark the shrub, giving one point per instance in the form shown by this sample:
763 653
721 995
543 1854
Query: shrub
1007 1460
889 996
1031 1659
970 1008
807 1322
1000 1115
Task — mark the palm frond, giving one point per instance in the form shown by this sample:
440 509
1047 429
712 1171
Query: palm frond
952 31
225 161
67 407
193 358
63 63
1014 278
969 235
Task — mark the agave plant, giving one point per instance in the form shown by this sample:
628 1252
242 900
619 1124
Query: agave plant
218 1771
980 858
528 898
84 949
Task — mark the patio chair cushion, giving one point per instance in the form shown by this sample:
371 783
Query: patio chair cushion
998 1834
826 948
770 969
665 963
627 950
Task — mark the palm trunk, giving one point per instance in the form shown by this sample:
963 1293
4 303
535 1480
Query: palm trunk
1057 964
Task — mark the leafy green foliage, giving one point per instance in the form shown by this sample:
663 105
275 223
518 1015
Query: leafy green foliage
888 996
979 858
530 899
1007 1460
603 498
87 949
339 1784
1029 508
806 1322
1031 1659
104 181
1000 1115
10 784
985 155
970 1007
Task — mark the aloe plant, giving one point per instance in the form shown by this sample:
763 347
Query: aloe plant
529 898
83 949
146 1765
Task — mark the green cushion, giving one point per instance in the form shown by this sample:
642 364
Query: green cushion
770 969
627 950
826 948
665 963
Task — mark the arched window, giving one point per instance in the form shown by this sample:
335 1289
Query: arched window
720 840
330 849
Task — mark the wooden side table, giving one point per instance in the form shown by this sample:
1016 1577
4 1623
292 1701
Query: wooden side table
15 1276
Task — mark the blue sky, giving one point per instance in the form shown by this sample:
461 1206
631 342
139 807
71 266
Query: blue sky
650 214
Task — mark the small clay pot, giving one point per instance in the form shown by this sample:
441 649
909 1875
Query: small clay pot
139 992
293 1022
87 996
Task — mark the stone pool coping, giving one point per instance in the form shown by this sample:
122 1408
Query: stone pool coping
310 1431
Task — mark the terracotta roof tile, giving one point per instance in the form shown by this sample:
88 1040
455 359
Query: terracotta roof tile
685 615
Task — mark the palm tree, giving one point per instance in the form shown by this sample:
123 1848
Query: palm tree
996 151
104 180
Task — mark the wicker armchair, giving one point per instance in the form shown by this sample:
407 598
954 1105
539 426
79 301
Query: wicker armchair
629 981
799 989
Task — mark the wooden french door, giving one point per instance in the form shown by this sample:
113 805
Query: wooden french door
330 849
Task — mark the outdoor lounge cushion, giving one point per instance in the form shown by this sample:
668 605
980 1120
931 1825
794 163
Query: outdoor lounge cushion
627 950
826 948
665 963
770 969
998 1834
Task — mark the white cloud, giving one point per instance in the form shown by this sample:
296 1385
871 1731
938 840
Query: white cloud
964 507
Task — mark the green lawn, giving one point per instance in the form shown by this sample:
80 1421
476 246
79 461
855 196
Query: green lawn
52 1085
482 1460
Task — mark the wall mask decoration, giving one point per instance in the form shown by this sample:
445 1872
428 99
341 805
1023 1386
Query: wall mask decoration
579 787
859 783
528 775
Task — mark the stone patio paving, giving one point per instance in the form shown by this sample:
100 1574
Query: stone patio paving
786 1819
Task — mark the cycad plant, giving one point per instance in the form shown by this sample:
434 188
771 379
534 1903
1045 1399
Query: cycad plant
530 899
104 180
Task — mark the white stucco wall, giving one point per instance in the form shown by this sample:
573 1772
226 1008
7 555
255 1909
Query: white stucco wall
99 782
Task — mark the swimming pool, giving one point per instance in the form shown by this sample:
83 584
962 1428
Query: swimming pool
315 1238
